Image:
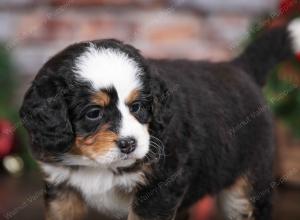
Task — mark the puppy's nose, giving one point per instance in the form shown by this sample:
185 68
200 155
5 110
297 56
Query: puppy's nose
127 145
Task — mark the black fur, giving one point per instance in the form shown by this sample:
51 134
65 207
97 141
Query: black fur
194 108
271 47
45 115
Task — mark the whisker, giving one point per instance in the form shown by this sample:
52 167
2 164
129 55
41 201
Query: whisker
158 145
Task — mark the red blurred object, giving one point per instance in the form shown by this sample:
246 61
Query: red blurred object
298 56
204 209
287 9
6 137
288 6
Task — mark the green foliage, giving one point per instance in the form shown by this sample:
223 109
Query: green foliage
7 85
283 96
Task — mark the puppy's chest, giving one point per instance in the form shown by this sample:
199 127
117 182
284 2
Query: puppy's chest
108 193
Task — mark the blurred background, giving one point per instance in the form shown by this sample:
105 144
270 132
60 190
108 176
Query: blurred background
31 31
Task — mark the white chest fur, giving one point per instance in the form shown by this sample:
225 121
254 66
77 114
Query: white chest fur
100 188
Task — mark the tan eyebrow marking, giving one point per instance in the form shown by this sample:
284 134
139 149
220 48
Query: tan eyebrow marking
101 98
133 96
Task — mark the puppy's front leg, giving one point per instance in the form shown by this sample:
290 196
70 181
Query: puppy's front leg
63 203
157 202
163 216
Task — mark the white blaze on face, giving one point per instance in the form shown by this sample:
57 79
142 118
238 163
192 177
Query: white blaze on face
106 68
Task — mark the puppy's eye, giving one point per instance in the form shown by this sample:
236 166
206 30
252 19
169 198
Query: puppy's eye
94 114
135 107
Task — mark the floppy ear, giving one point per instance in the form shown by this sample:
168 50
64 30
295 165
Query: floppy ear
160 107
44 114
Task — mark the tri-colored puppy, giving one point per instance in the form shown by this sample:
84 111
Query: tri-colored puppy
144 139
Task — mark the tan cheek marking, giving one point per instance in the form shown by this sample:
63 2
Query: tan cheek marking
132 96
147 169
101 98
96 145
147 173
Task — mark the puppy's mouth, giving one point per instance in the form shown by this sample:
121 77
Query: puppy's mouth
127 157
125 161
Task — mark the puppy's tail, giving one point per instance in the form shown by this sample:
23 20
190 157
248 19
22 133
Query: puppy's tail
269 49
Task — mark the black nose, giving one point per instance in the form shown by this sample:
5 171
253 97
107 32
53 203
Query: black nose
127 145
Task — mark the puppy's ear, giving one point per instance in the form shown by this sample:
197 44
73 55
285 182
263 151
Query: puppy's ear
44 114
160 107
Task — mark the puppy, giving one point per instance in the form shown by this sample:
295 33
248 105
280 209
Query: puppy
145 139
